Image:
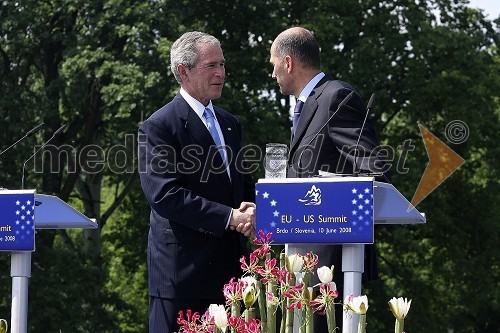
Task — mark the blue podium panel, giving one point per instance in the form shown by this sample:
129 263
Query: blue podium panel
316 210
17 220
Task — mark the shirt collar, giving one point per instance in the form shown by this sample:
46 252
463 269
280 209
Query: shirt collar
310 86
195 104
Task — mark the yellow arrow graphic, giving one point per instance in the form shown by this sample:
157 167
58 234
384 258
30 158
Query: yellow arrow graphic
442 163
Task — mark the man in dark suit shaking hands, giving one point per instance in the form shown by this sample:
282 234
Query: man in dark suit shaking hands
192 176
326 127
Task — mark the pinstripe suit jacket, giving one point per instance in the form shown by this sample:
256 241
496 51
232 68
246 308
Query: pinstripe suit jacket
191 255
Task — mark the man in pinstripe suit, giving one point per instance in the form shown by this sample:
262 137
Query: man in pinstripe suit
194 180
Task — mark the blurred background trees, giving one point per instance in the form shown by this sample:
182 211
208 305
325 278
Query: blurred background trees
102 67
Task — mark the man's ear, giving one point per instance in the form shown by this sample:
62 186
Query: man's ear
182 70
288 63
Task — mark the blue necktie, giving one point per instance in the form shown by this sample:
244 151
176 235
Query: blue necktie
210 119
296 114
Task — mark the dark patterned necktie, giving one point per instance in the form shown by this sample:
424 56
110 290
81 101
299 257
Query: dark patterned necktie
296 114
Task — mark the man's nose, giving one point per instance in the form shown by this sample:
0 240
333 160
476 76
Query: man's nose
221 72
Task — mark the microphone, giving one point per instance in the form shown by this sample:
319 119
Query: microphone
341 104
28 134
56 133
371 102
370 105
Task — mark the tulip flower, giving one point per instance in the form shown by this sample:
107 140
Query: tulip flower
218 312
250 295
325 274
249 281
359 305
399 308
294 263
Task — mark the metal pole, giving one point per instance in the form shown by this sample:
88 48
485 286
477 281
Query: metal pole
353 256
20 271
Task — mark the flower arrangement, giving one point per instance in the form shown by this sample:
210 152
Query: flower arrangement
268 285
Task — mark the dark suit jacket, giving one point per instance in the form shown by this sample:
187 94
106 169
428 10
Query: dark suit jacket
333 151
191 255
333 148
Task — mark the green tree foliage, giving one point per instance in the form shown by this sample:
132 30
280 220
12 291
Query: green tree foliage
101 67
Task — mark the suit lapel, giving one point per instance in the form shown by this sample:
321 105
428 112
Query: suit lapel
199 132
308 111
193 124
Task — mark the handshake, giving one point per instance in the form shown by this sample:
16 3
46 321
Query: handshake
243 219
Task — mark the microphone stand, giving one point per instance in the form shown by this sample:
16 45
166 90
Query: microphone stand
371 102
341 104
56 133
28 134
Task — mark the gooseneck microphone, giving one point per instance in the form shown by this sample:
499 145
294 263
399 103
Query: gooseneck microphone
28 134
369 106
341 105
56 133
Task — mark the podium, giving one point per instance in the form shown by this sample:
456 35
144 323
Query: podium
24 211
332 210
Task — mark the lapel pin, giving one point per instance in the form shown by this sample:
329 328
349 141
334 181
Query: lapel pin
229 128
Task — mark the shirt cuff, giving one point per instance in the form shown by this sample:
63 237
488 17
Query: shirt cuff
229 218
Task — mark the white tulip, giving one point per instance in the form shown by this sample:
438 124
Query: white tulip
294 263
249 280
325 274
399 307
218 312
358 304
250 295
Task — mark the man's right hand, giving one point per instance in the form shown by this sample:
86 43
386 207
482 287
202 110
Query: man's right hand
243 219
